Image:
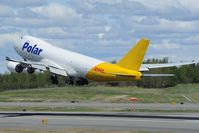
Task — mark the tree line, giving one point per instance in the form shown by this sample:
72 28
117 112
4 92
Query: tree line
183 75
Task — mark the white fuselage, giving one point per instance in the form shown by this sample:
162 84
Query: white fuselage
36 50
40 55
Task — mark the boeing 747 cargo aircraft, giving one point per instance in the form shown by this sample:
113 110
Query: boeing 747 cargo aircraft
40 55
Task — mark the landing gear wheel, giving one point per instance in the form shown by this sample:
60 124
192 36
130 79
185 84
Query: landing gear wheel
30 70
82 81
19 68
70 81
54 79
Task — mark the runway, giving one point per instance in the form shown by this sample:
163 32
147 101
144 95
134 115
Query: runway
125 121
152 106
102 121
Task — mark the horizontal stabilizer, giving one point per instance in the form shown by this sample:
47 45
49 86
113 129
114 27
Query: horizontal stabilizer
147 67
158 75
125 75
122 75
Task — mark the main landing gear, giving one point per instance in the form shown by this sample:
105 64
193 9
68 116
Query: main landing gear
69 80
54 79
78 81
81 81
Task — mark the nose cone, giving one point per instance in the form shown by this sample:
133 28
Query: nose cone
18 44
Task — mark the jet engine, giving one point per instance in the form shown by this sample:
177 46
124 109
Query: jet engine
15 67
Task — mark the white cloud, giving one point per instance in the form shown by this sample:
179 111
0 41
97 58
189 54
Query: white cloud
101 28
106 1
160 5
100 35
6 11
57 11
29 23
23 3
179 26
171 9
107 28
191 5
51 32
166 44
9 38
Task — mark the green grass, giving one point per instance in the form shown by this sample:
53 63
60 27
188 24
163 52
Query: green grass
104 94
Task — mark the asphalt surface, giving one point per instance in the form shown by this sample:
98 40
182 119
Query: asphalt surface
117 122
175 122
153 106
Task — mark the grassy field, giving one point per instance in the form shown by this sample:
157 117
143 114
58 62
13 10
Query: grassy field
180 93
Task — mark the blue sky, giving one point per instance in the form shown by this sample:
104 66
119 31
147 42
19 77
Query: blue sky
104 29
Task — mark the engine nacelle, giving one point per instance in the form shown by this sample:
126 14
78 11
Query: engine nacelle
14 67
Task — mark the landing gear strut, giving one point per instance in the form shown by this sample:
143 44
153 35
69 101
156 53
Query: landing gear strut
54 79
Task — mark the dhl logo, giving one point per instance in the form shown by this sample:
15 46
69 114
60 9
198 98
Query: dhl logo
97 69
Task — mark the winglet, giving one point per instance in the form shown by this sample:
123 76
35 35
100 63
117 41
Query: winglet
133 59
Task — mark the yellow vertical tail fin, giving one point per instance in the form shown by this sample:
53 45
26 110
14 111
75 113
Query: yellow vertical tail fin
133 59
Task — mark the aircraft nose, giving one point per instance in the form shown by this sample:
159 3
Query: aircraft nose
18 45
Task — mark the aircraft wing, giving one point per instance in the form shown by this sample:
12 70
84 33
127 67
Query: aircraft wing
147 67
44 66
